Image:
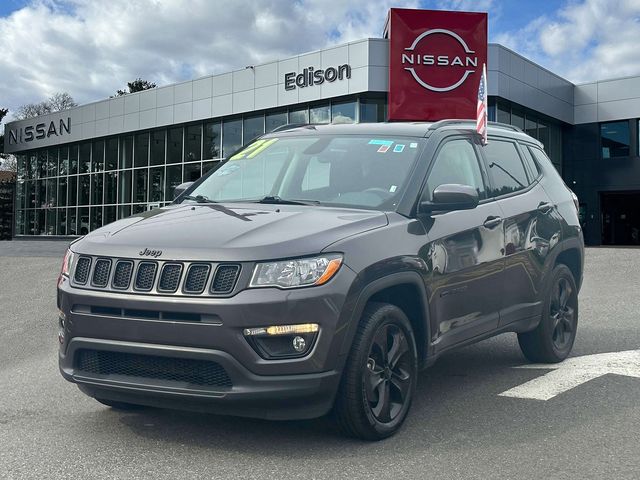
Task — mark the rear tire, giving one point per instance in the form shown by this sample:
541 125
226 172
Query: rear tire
553 338
380 375
119 405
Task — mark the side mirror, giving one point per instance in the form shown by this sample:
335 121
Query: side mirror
449 197
180 189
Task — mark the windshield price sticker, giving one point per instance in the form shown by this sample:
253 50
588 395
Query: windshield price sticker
388 143
254 149
383 148
399 148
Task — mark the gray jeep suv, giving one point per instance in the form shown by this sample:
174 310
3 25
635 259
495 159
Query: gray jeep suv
319 268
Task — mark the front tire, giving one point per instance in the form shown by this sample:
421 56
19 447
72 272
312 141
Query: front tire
553 338
380 375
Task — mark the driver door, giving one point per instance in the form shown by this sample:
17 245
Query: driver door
465 250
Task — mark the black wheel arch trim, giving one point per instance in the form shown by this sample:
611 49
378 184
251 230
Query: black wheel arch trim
377 285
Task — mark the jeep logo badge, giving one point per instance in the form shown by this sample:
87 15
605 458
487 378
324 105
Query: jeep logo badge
150 253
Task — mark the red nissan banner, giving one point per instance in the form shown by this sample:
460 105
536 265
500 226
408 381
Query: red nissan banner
435 63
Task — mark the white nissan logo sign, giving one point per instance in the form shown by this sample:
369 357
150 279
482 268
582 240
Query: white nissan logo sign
419 55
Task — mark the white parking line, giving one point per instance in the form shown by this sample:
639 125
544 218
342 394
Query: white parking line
574 372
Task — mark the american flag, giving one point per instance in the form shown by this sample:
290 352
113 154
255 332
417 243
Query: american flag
481 109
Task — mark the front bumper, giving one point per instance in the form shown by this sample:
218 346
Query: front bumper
274 389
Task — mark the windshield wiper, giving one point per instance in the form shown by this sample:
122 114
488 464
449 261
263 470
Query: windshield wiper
275 199
199 199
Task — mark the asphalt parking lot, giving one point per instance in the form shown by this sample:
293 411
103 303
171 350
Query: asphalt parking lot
460 426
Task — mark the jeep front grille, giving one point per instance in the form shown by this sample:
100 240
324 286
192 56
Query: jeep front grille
101 272
82 270
145 276
170 277
122 274
196 278
225 278
204 373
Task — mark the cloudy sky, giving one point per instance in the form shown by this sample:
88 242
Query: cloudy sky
90 48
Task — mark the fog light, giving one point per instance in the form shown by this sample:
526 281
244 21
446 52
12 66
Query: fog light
282 341
299 343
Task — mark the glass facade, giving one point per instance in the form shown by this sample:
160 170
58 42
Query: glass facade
76 188
615 139
544 129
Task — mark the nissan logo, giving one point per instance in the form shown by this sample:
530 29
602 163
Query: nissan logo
412 58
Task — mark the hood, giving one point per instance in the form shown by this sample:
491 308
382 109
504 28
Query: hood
231 232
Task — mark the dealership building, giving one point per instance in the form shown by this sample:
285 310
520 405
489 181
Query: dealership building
86 167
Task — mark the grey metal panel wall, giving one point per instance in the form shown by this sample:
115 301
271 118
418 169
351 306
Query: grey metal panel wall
607 100
515 78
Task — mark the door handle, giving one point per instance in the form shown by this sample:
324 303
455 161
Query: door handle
492 222
545 207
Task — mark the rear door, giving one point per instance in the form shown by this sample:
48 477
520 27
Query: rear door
465 250
531 227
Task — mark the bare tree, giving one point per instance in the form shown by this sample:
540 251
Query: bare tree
7 161
57 102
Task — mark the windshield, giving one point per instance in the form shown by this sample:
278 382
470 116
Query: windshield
348 170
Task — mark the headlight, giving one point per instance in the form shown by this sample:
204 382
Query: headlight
66 263
299 272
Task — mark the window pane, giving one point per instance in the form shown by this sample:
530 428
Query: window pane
174 145
543 134
517 118
124 211
504 115
64 161
52 165
212 139
191 172
51 192
125 187
98 156
111 155
96 189
51 221
505 167
253 127
532 166
141 152
109 215
20 164
192 143
73 159
231 137
61 229
140 186
42 163
83 221
138 208
72 218
126 152
156 184
299 116
85 157
173 179
344 112
83 189
62 192
275 120
157 147
531 126
320 114
206 166
72 199
110 187
96 217
615 138
372 110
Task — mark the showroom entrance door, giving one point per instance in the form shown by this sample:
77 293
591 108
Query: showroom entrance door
620 218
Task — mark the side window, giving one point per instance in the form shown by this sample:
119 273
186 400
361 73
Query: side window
540 156
456 162
505 167
531 164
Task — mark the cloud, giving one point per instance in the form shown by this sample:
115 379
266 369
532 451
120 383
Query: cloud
584 41
90 49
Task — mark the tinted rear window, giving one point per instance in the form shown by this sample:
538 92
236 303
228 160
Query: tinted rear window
505 167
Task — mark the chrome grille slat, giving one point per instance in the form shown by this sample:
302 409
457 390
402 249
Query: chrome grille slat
145 276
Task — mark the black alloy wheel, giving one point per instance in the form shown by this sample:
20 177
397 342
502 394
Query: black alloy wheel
380 375
552 340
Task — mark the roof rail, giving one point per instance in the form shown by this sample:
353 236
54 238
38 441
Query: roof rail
289 126
446 123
